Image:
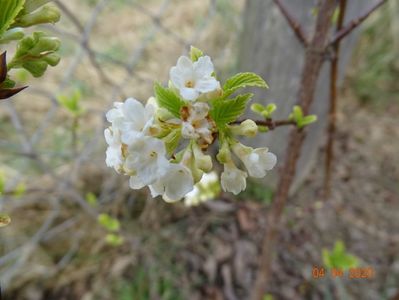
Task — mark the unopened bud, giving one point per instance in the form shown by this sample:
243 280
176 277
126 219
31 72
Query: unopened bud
202 161
47 14
247 128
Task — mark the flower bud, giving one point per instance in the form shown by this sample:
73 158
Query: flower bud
224 154
202 161
52 59
14 34
44 45
247 128
32 5
47 14
189 161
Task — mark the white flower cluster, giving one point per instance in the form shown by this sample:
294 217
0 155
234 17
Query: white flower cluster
163 144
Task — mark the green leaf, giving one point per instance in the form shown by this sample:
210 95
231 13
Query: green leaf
307 120
114 239
195 53
71 102
91 198
225 111
338 257
242 80
172 140
168 99
9 9
108 222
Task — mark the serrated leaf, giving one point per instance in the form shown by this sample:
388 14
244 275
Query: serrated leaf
168 99
9 9
242 80
172 141
225 111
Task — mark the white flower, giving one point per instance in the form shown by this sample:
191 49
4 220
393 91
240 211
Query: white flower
114 157
257 161
146 160
207 189
193 78
175 184
131 118
196 123
233 179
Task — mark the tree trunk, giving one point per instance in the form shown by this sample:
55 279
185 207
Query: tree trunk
269 47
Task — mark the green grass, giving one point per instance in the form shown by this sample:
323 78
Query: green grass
376 71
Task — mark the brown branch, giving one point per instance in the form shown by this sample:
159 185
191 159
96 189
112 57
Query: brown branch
271 124
355 23
314 59
294 24
332 114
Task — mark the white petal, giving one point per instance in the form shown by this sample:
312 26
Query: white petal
184 63
188 131
135 183
179 183
268 160
233 180
134 111
203 67
207 84
177 77
189 93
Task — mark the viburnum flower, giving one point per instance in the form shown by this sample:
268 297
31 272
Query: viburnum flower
175 185
233 179
257 161
197 123
165 143
114 156
131 118
193 78
146 161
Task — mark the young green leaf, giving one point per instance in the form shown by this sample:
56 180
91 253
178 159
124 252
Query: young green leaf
108 222
195 53
114 239
168 99
9 9
339 258
225 111
242 80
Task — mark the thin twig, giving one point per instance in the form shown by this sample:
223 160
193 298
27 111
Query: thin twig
332 115
355 23
294 24
269 123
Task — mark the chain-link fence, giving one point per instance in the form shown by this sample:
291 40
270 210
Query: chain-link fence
53 162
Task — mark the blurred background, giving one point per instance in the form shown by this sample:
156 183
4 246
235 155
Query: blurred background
79 232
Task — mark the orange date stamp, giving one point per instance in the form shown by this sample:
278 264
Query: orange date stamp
351 273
